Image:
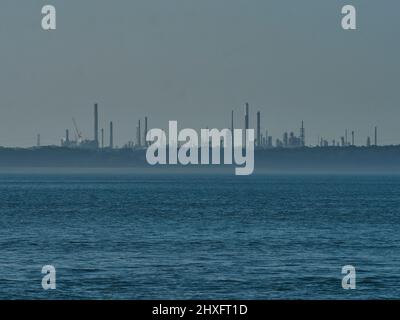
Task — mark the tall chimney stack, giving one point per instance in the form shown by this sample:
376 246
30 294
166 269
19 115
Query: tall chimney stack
96 125
111 136
246 116
139 141
145 131
376 136
102 138
258 128
232 122
232 129
246 121
302 134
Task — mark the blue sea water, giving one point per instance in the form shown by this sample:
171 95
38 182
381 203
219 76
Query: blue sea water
199 236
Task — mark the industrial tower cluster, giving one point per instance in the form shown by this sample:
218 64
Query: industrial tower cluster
265 140
290 140
99 142
262 140
345 142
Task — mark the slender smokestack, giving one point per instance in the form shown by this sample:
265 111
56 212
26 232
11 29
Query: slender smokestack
246 121
139 141
376 136
302 134
232 122
232 128
145 132
67 136
352 138
258 128
102 138
111 136
96 125
246 116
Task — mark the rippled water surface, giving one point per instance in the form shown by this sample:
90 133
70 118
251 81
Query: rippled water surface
199 236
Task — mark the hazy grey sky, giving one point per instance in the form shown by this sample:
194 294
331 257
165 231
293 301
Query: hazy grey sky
195 60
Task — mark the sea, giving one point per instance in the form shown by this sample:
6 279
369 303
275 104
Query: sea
199 236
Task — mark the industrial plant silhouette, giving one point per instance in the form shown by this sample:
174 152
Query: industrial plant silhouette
286 154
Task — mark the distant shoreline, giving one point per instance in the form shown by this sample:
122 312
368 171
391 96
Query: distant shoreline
368 160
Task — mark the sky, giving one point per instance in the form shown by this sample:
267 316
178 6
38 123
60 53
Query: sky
196 60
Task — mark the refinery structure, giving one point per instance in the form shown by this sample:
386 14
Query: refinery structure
290 152
103 138
101 141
